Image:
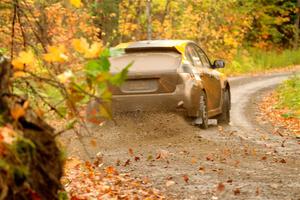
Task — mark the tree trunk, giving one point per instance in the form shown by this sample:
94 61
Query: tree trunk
297 26
43 163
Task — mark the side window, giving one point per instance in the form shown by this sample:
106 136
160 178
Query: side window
203 57
189 53
193 56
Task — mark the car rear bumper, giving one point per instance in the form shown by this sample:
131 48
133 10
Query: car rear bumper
149 102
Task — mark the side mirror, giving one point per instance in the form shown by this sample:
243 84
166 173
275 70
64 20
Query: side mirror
187 68
218 64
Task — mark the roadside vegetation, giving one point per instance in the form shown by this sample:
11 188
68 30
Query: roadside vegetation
289 97
282 108
255 60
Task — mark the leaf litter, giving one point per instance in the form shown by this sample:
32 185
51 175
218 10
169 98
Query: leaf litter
84 180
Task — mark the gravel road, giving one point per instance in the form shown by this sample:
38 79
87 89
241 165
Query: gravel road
243 160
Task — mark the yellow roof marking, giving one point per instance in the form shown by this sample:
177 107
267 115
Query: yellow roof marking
123 45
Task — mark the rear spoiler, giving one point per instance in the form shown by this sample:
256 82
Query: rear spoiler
151 49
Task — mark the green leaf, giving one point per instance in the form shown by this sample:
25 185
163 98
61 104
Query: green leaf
62 195
105 53
71 123
119 78
101 87
4 166
104 61
93 68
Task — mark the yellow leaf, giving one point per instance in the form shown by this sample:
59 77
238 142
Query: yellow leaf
106 95
94 51
25 59
76 3
19 74
81 45
105 112
56 54
18 65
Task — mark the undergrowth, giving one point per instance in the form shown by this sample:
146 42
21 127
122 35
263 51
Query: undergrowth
289 97
255 60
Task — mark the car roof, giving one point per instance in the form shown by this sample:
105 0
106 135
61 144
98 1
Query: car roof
177 44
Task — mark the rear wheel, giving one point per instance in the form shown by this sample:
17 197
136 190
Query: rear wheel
224 118
203 111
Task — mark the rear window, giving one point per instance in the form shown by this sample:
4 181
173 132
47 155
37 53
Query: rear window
146 61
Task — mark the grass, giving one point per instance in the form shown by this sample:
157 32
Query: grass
289 97
255 60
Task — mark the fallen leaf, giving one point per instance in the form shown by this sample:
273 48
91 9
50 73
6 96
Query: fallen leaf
118 162
283 143
221 187
93 142
170 183
257 192
110 170
98 161
201 170
264 158
146 180
150 157
163 154
185 178
194 161
209 158
237 163
282 160
136 158
229 181
127 163
237 191
130 151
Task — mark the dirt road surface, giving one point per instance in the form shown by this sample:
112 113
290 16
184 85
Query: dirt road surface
243 160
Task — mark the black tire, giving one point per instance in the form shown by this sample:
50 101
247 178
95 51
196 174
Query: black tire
203 111
224 117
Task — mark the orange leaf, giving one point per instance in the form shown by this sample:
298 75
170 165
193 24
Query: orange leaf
26 105
130 151
110 170
93 142
194 160
17 111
